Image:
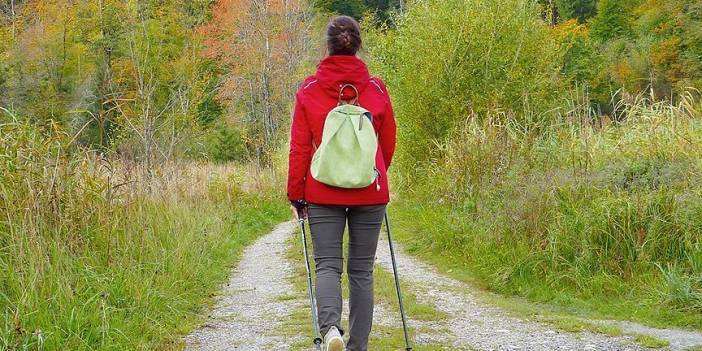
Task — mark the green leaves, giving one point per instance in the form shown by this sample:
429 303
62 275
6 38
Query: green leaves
579 9
358 8
449 61
613 19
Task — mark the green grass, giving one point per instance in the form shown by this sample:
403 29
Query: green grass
100 255
652 342
601 223
632 299
149 292
385 293
452 239
558 317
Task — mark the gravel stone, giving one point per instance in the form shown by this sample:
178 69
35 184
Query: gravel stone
678 339
249 312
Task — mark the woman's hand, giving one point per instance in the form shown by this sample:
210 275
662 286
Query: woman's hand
295 213
296 207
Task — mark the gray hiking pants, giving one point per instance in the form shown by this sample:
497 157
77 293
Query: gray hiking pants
327 223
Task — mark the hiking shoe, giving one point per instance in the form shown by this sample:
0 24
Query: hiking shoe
333 340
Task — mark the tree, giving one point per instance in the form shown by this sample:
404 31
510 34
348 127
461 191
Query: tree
613 19
262 45
105 46
383 8
581 10
674 30
549 11
107 70
492 57
358 8
353 8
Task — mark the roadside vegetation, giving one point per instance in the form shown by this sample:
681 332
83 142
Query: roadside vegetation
136 161
97 255
510 175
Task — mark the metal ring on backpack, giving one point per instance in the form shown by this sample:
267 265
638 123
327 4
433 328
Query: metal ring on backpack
354 101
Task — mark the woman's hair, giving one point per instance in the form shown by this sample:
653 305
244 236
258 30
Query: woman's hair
343 36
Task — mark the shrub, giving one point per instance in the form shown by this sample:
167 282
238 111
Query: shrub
573 213
491 56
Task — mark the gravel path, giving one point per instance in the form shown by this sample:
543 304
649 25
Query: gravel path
254 301
260 296
678 339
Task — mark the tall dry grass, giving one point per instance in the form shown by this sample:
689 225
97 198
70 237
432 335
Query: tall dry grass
99 252
582 212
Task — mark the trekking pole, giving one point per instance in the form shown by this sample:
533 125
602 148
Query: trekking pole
317 340
397 283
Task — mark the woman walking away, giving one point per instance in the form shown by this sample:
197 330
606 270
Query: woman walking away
342 79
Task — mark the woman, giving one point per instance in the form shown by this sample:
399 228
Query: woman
329 208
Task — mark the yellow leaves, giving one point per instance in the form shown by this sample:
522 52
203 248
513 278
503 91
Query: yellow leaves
667 52
568 32
570 28
623 72
666 57
5 38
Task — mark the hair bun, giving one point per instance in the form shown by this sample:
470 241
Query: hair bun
343 36
345 39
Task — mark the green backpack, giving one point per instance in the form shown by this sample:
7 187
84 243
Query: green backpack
346 157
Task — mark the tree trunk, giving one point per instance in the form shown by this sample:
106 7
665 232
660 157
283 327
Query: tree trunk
12 12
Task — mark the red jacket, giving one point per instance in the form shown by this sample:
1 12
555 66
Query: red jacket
318 94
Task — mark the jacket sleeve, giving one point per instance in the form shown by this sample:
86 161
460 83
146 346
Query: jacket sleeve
300 151
388 130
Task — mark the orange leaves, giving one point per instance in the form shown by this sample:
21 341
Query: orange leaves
666 57
667 52
226 18
623 72
236 21
258 46
253 38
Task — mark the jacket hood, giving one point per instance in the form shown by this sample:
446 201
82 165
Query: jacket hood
336 70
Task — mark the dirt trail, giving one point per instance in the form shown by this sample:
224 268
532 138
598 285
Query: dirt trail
257 300
249 312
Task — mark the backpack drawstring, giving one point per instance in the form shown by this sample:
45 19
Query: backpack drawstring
377 179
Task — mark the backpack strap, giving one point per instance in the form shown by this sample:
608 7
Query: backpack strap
354 101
